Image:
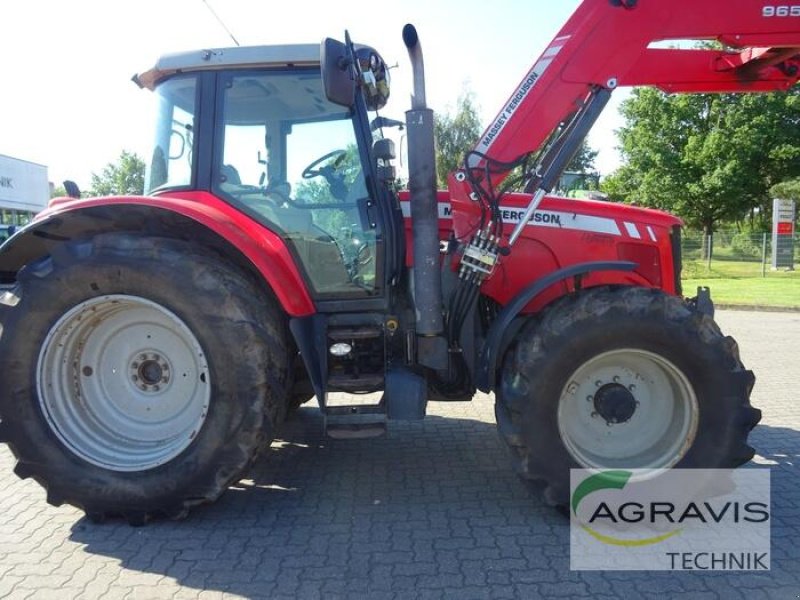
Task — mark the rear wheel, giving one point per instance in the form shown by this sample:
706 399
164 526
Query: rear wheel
146 374
623 378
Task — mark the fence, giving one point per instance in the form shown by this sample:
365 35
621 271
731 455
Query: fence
741 254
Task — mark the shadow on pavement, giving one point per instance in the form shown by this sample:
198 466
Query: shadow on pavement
338 518
431 510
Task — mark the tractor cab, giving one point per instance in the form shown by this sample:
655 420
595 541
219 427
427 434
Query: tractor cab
256 128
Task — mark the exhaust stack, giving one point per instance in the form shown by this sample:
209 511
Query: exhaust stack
427 282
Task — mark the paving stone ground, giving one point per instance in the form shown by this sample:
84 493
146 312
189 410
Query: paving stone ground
431 511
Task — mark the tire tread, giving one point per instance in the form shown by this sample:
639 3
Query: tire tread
549 332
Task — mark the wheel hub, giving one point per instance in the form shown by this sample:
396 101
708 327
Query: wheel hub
614 403
149 371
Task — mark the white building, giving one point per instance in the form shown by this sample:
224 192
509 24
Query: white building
24 190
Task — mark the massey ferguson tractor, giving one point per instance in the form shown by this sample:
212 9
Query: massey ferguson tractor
150 346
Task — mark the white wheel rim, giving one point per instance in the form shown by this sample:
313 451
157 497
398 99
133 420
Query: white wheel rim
657 434
123 382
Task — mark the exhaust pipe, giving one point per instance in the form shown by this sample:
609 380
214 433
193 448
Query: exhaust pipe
411 40
427 282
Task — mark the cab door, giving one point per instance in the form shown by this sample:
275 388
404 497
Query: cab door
294 161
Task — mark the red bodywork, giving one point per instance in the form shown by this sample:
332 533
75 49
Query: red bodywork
564 232
263 248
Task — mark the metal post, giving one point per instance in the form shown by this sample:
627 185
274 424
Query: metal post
764 255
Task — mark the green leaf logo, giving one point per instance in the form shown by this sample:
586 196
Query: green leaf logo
610 480
607 480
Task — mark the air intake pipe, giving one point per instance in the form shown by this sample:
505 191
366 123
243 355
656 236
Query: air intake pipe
427 282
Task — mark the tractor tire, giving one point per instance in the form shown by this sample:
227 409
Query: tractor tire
626 378
141 375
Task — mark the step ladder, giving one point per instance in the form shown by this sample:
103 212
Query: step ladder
355 421
404 398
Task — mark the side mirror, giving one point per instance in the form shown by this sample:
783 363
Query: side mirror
340 88
383 149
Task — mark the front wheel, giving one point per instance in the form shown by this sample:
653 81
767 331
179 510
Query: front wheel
142 375
623 378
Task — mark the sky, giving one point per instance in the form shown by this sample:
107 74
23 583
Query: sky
67 100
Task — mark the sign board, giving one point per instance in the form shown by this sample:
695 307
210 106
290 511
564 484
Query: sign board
785 229
23 185
783 215
673 520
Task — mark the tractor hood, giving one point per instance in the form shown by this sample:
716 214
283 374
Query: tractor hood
614 210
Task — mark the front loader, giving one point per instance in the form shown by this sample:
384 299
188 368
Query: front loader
152 345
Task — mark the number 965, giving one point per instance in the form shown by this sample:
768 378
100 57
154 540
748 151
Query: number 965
781 11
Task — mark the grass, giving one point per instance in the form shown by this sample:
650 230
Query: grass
741 283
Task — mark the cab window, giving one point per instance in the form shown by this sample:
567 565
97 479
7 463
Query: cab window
170 162
289 158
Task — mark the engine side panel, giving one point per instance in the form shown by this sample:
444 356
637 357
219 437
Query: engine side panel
565 232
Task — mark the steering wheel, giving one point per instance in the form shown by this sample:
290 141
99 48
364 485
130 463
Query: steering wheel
324 165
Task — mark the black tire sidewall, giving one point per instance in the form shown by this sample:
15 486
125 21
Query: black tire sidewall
552 351
188 285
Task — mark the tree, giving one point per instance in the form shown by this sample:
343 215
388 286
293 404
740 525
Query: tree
787 190
707 157
58 192
125 177
455 136
583 161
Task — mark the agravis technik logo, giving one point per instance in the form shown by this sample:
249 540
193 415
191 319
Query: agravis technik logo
679 519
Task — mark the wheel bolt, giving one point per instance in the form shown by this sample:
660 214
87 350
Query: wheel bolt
135 378
143 357
631 387
589 398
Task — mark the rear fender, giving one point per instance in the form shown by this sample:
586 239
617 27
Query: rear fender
194 216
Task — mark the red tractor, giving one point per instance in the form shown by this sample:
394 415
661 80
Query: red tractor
150 346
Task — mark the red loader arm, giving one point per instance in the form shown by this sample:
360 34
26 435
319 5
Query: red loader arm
606 44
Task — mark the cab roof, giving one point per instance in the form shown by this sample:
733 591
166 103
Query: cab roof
290 55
